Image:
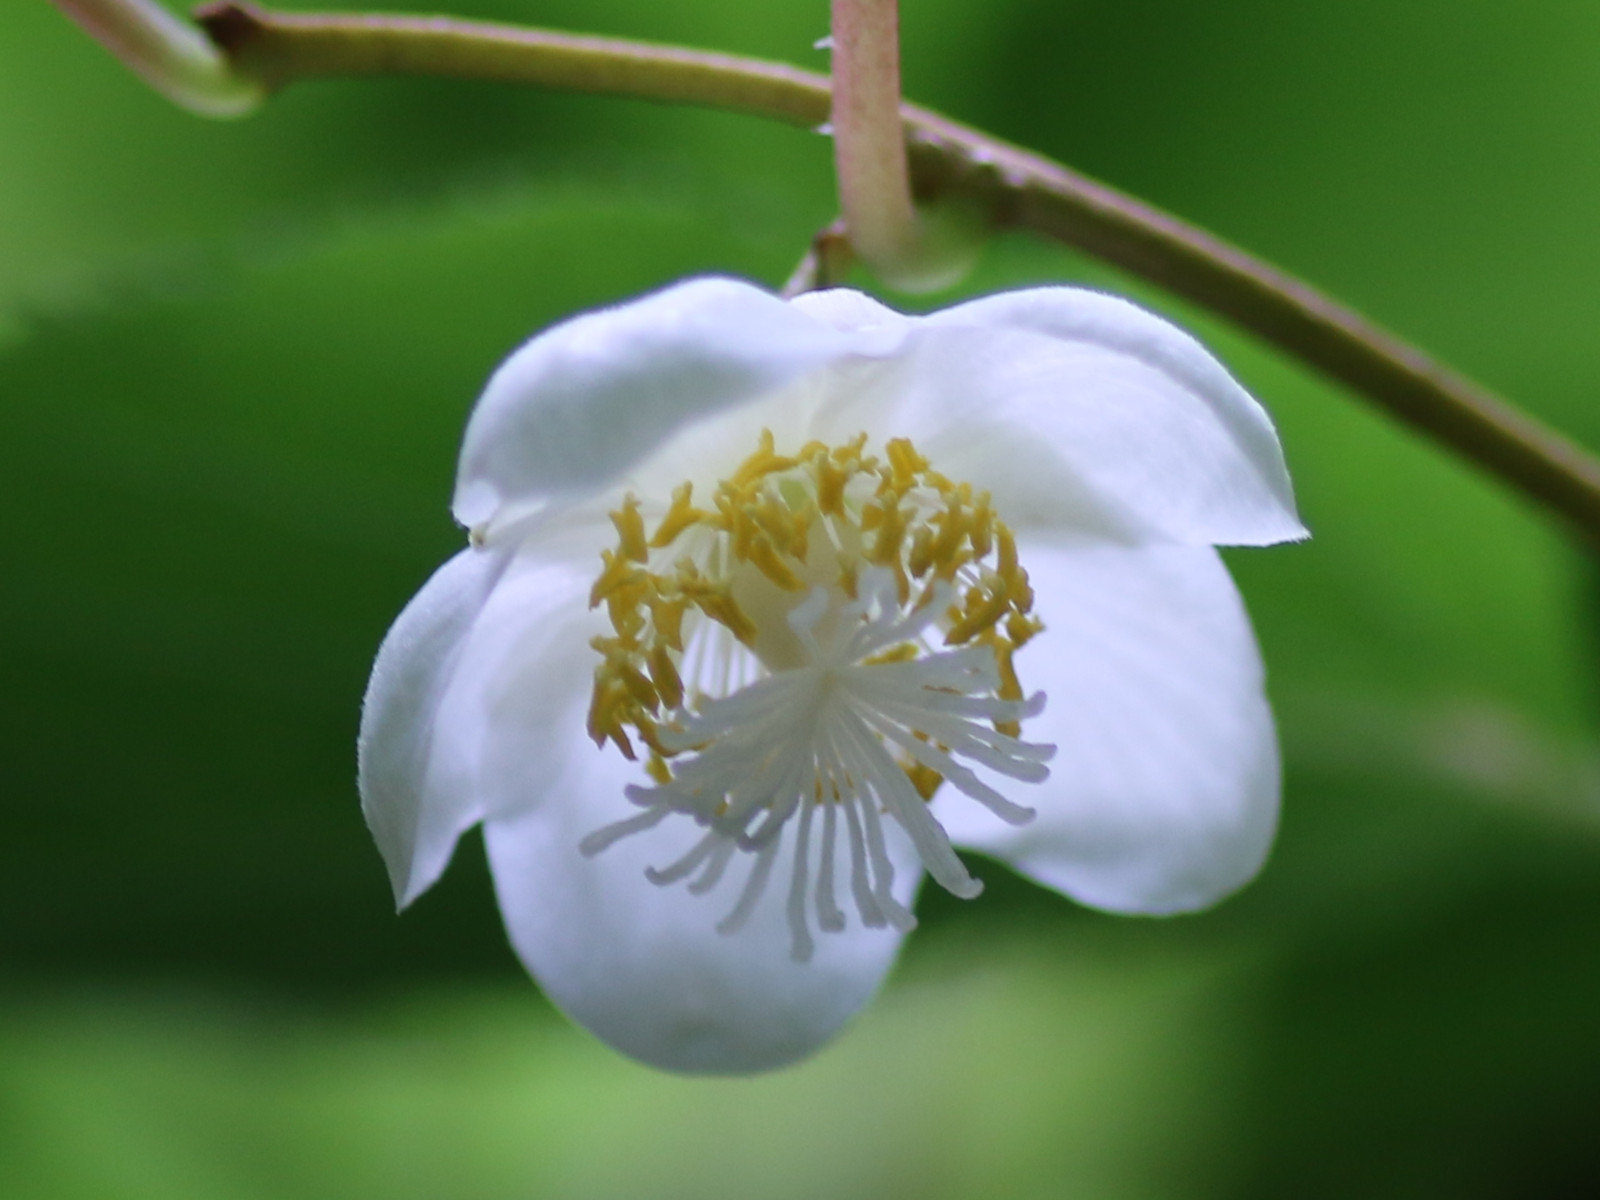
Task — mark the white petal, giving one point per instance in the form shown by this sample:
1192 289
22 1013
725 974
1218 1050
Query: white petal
849 310
1081 412
502 729
467 677
414 824
1163 795
642 966
578 405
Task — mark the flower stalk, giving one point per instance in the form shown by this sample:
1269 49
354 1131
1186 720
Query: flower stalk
869 142
1012 187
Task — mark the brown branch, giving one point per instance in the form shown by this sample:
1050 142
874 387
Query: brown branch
1015 187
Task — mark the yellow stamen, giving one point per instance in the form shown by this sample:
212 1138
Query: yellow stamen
904 652
630 531
658 770
904 461
665 676
831 478
679 517
767 560
618 573
668 617
760 464
984 608
924 778
894 513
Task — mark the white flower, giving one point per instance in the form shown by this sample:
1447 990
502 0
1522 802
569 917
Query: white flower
796 566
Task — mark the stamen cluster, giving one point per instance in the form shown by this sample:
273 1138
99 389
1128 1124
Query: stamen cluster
770 648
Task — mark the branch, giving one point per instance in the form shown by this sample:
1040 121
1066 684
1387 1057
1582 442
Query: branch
172 57
1013 187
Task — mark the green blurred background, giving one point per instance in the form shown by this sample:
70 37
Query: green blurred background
234 364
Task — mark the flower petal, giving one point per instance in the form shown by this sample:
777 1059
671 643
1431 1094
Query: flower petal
414 824
1080 411
468 676
582 402
849 310
1163 795
505 721
642 966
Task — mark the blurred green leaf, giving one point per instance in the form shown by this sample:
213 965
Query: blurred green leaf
237 361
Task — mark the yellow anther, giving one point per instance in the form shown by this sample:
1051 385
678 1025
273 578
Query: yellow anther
739 524
1005 656
1006 559
954 524
610 648
776 520
667 615
680 516
617 573
886 490
830 479
1009 570
638 684
891 527
630 531
649 734
1020 628
890 524
665 676
905 462
1021 591
1010 686
656 767
848 577
622 606
800 543
904 652
981 529
983 609
762 463
766 560
850 452
608 711
925 779
599 716
716 603
920 557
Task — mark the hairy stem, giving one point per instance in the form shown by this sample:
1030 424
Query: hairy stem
1013 187
869 139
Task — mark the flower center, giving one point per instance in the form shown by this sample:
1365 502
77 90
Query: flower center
823 644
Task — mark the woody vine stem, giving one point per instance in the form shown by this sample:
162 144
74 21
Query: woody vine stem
240 54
